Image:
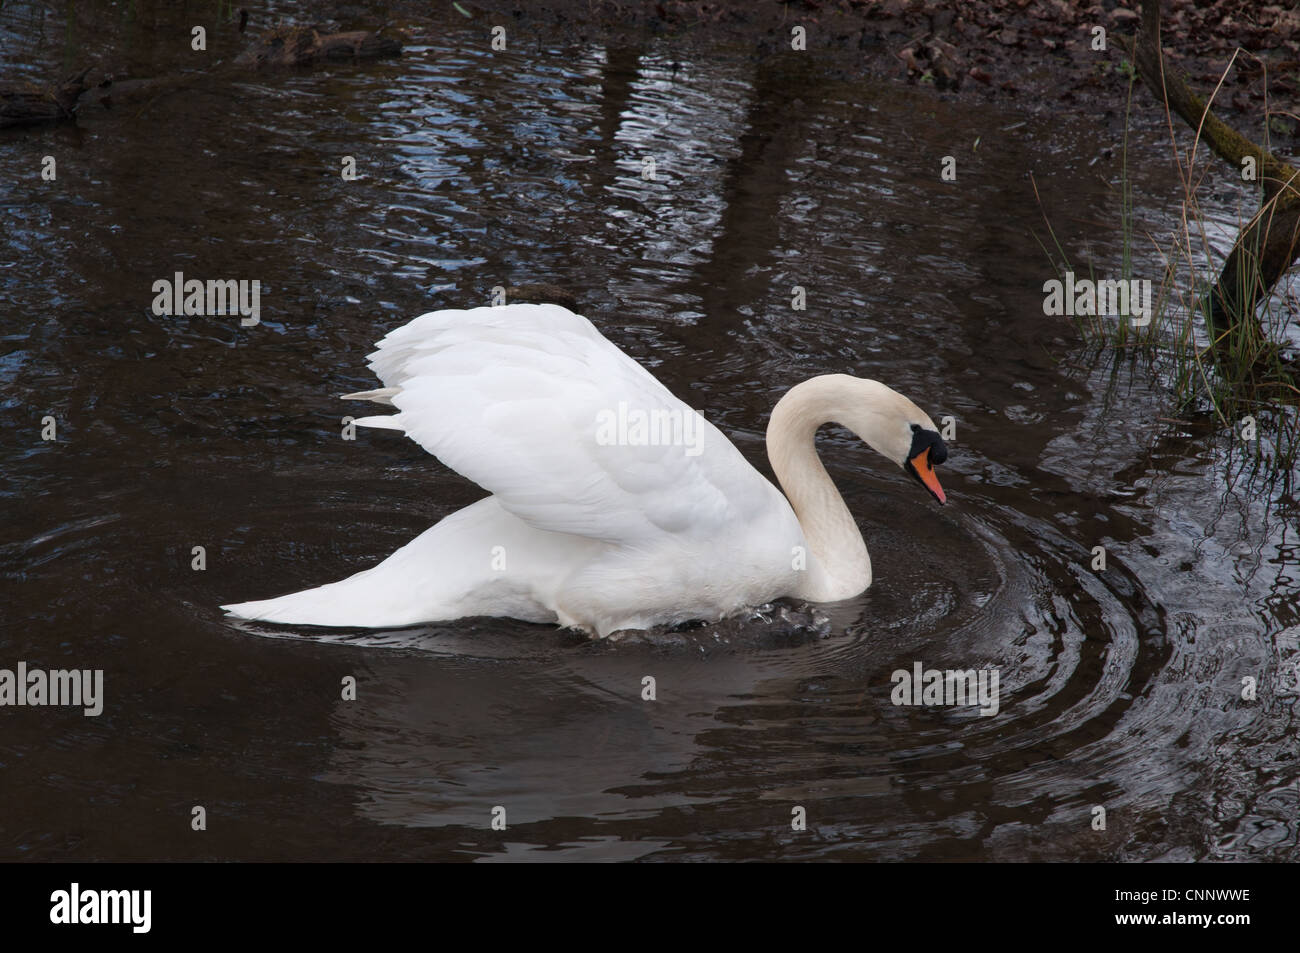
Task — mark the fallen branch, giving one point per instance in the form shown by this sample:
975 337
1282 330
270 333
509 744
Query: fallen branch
1269 244
31 105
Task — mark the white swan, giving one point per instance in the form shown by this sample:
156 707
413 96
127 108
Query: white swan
613 506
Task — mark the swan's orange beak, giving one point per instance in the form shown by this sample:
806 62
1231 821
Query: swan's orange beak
921 469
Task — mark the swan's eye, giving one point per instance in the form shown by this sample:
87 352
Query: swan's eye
923 440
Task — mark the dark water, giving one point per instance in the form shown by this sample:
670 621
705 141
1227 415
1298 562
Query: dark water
1119 689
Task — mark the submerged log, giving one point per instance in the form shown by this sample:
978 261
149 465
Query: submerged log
281 47
29 105
305 46
541 292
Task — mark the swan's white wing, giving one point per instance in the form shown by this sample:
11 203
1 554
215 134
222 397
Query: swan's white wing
514 398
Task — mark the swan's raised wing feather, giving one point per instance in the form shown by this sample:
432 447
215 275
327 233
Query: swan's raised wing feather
514 397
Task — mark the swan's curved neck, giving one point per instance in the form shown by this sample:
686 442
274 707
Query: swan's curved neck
839 566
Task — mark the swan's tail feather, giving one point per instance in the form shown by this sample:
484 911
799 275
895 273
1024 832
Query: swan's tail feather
381 395
382 422
430 579
325 606
375 597
301 608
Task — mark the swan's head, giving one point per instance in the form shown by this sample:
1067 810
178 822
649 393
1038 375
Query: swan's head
895 427
926 451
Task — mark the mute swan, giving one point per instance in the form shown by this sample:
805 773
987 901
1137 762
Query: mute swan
614 505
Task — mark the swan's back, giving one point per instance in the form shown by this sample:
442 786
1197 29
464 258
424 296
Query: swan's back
513 398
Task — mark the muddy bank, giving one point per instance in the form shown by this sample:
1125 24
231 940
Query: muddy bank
1038 56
